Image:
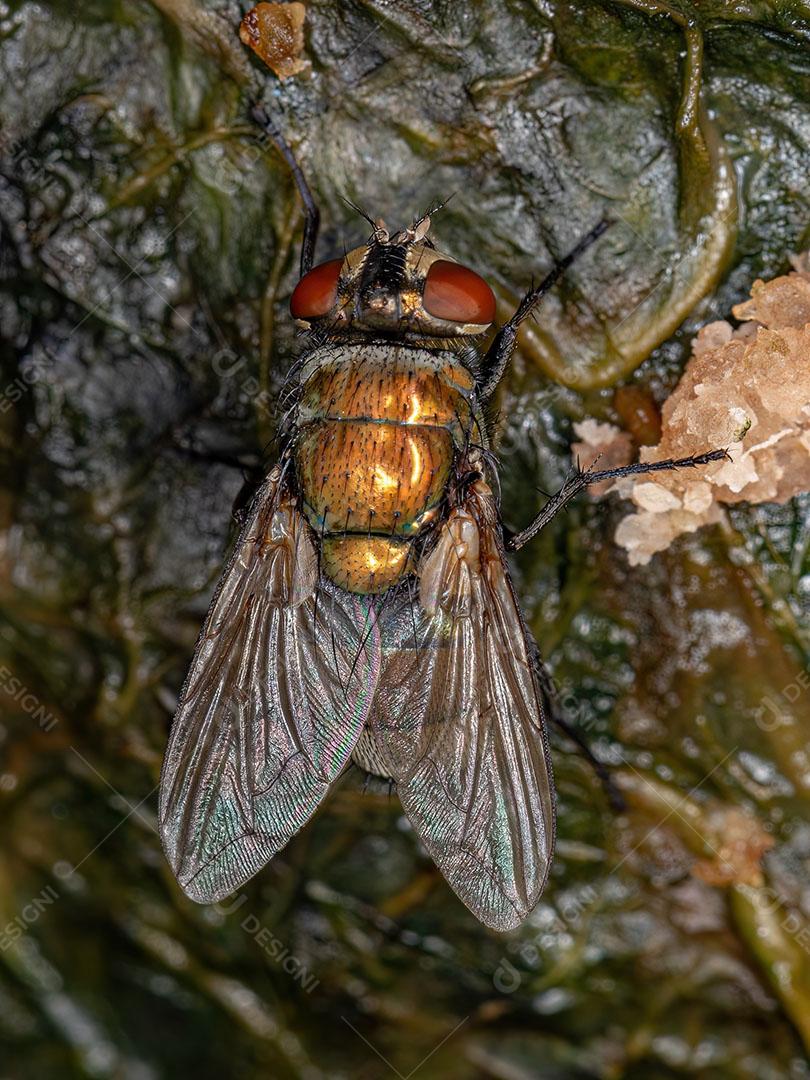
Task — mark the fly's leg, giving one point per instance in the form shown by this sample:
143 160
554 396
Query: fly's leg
500 351
312 218
553 709
579 480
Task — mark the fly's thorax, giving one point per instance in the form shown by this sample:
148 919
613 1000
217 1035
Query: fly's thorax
378 428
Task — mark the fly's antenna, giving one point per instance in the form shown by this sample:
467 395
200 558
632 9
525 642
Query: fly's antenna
432 211
380 233
359 210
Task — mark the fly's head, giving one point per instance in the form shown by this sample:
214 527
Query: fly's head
396 284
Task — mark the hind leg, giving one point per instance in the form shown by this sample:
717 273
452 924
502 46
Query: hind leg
580 480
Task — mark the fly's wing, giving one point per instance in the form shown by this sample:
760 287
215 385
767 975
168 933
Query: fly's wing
277 695
458 723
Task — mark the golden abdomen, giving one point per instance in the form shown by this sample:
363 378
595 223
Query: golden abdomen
367 476
378 429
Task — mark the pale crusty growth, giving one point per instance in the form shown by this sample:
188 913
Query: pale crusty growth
784 301
747 390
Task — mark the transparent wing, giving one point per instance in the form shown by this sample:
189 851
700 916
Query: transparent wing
458 724
277 695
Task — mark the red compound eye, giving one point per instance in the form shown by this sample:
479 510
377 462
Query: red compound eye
453 292
316 292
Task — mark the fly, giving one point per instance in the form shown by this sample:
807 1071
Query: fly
367 612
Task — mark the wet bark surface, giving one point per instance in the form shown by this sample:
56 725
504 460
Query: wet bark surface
148 253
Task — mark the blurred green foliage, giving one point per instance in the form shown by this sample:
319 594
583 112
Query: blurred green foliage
148 252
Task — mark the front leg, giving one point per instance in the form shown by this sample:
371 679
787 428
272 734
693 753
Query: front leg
498 354
579 480
312 214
